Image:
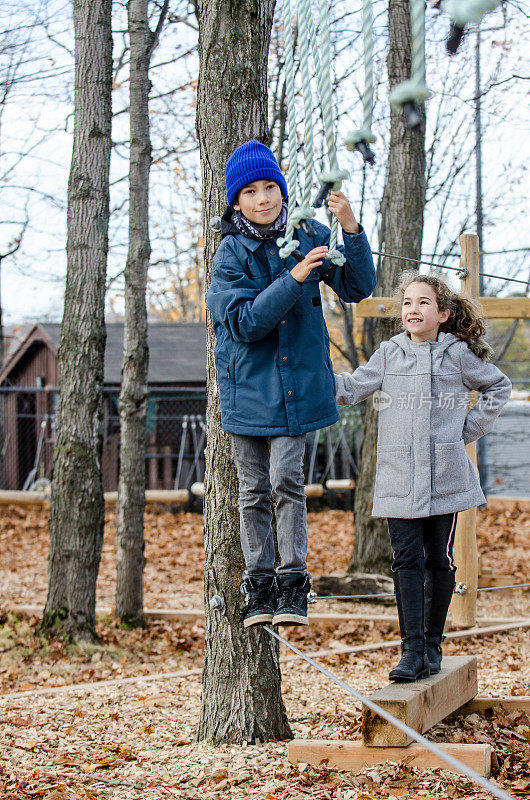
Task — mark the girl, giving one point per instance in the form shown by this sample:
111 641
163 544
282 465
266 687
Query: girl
424 476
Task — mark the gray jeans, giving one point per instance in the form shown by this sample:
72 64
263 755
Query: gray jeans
271 467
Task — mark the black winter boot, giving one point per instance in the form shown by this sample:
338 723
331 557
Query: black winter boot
293 596
408 585
439 588
260 599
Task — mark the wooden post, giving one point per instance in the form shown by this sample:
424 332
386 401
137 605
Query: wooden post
152 463
464 607
167 467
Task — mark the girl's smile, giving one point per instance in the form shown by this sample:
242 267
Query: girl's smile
420 314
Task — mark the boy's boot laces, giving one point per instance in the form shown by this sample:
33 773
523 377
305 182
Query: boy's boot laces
260 599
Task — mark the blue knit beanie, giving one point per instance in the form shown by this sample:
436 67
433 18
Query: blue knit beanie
252 161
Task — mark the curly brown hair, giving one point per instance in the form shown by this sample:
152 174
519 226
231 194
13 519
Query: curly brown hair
466 318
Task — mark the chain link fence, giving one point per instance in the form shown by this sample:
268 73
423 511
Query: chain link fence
175 441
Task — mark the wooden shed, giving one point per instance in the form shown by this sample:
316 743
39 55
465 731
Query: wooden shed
29 382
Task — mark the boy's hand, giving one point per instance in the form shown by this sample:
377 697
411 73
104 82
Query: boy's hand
339 205
313 259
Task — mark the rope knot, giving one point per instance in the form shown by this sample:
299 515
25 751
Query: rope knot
300 213
287 246
335 177
336 257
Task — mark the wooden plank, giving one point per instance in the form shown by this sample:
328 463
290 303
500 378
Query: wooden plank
340 484
420 704
18 498
494 307
487 578
354 756
495 625
508 503
508 704
311 490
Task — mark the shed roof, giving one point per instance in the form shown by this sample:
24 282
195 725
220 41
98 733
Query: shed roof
177 351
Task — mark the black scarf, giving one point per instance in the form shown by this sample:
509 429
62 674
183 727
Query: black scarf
248 228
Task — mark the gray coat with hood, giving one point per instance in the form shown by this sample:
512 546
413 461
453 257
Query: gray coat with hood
424 423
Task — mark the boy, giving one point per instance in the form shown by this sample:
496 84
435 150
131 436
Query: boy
273 367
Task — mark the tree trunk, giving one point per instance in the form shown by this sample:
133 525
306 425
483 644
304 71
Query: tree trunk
133 394
241 684
402 229
77 506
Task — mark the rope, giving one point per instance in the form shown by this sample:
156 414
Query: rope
496 588
364 135
369 596
490 787
287 243
462 12
335 176
444 266
304 13
410 94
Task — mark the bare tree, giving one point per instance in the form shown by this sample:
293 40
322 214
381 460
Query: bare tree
133 394
241 697
77 505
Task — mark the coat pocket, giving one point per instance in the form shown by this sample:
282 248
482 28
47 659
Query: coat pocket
394 470
450 467
310 301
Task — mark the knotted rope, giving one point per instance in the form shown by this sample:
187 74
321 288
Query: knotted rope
410 94
361 138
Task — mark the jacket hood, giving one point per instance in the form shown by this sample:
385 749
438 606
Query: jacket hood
477 346
227 226
444 341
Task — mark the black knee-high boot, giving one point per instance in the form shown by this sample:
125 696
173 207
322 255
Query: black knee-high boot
439 588
408 585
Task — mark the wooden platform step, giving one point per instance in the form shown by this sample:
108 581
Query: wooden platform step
420 704
354 755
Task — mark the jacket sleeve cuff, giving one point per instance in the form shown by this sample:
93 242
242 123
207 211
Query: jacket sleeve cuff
353 235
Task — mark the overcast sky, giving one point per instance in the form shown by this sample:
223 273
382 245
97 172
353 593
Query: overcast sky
37 120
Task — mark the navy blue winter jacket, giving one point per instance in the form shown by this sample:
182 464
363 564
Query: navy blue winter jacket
272 349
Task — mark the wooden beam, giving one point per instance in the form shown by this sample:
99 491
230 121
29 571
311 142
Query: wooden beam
18 498
495 625
420 704
508 503
494 307
340 484
481 703
354 755
487 578
311 490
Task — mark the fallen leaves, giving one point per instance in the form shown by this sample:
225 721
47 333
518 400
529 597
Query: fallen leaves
138 739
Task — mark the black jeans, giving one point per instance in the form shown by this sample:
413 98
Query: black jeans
423 543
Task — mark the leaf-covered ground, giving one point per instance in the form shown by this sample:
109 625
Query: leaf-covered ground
131 735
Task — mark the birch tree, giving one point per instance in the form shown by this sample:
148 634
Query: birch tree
77 505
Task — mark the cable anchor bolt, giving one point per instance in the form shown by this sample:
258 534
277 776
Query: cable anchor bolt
216 602
460 588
